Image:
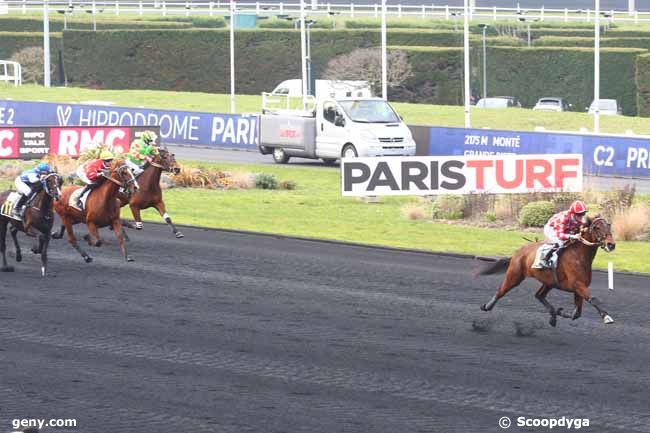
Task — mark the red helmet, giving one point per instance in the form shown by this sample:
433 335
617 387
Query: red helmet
578 207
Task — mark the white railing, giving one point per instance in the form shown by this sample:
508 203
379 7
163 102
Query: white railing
4 8
216 8
16 74
274 103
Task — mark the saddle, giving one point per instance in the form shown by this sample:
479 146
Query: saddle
72 201
545 257
7 208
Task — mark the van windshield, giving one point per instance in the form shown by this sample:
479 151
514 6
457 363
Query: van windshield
369 111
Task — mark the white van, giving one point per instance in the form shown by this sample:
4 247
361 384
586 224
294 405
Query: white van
334 128
326 89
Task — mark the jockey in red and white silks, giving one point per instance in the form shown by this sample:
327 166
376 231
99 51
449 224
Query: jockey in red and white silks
565 225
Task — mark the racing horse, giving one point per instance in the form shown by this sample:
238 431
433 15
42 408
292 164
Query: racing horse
102 209
150 194
37 221
573 273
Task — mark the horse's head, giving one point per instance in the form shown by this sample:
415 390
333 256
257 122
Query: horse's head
52 185
168 161
123 174
599 232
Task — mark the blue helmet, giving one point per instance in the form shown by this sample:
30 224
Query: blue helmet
43 167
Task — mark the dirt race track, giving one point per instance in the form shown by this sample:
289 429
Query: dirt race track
227 332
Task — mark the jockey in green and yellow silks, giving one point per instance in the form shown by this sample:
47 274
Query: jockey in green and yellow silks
142 150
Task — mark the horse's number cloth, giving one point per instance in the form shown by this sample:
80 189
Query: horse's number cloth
8 205
73 199
542 251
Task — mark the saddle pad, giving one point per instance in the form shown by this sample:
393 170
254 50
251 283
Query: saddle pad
541 252
8 206
72 202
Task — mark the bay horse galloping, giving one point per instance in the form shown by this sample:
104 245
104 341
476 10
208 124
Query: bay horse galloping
102 209
150 194
37 221
573 273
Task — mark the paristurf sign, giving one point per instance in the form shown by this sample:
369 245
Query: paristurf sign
499 174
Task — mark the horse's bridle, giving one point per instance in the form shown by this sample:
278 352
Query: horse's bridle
47 188
123 184
600 241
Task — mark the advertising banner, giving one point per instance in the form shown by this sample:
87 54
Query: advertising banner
176 127
602 154
36 142
425 175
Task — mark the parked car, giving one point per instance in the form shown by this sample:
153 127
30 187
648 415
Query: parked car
552 104
606 107
499 102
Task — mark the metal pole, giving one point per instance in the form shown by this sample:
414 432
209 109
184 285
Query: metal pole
233 10
466 50
309 89
94 16
528 34
384 53
303 54
46 44
597 69
484 65
631 7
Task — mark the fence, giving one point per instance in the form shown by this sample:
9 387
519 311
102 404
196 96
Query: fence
16 76
219 8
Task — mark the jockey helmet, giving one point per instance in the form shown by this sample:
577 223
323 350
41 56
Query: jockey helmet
149 137
105 155
578 208
43 167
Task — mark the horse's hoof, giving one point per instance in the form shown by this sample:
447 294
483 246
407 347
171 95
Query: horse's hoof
553 321
19 257
98 244
88 259
179 235
129 259
43 271
36 251
7 269
607 320
484 307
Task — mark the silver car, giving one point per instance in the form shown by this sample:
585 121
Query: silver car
606 107
552 104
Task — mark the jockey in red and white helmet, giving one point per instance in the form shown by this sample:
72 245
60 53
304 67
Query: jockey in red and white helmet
566 225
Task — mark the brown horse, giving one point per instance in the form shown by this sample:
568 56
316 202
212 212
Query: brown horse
37 221
573 271
102 209
150 193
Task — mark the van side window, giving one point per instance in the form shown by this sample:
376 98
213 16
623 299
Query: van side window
329 111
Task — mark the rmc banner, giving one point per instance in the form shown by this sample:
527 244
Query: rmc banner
424 175
37 141
176 127
602 154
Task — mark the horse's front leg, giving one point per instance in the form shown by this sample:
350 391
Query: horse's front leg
3 247
135 210
14 235
44 242
59 234
117 228
160 206
583 291
73 240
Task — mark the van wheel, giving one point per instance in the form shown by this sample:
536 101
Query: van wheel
349 151
279 156
329 161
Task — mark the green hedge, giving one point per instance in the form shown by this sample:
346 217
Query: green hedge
12 42
623 42
32 24
437 76
643 84
531 73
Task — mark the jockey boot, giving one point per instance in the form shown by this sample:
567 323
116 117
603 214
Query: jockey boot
81 194
19 207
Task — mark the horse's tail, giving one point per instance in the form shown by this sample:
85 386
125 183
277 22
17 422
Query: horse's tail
497 267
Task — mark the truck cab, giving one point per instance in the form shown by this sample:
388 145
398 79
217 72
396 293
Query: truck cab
333 128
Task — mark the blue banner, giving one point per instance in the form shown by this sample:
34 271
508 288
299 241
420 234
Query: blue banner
176 127
602 154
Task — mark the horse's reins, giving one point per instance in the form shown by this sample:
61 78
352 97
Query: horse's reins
119 183
589 243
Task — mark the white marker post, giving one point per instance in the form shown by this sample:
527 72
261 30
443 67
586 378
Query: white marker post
610 275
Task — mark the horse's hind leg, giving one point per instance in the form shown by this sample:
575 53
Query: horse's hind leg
14 235
513 279
584 292
59 234
3 247
44 241
117 228
73 241
541 297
